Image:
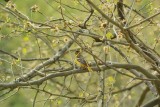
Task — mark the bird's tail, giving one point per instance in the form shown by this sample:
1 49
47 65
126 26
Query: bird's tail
89 68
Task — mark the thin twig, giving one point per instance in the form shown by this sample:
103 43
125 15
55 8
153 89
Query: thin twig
126 28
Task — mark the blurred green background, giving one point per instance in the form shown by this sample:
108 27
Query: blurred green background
15 40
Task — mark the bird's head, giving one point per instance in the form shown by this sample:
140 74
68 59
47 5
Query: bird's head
77 52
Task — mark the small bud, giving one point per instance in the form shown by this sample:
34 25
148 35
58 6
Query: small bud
65 39
106 49
35 8
103 25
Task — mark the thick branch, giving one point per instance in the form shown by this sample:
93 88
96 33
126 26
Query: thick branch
104 15
66 73
135 25
48 62
152 103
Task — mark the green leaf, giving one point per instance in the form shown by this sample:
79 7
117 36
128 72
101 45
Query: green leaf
109 35
111 80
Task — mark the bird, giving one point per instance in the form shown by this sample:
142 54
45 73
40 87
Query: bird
80 61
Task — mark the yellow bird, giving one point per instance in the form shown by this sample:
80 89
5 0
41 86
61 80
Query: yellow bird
80 61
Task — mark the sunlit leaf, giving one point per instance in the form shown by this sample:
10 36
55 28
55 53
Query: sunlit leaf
59 102
1 62
111 80
24 50
26 38
109 35
81 94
